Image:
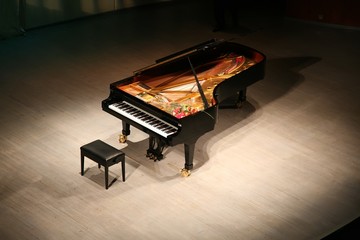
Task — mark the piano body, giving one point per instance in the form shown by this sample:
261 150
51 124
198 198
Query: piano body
176 100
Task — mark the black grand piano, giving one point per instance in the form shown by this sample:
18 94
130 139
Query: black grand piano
176 100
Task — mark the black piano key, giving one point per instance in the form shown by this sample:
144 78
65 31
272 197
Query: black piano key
157 123
137 114
128 109
169 131
163 126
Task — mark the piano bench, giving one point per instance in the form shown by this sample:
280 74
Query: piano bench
105 155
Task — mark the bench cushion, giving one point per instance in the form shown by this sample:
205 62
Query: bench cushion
101 150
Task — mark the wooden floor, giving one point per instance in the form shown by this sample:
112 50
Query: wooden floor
285 166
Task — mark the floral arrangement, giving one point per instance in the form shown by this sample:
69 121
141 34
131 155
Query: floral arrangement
180 111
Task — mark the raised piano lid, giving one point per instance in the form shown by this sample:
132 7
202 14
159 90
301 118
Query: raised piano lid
170 84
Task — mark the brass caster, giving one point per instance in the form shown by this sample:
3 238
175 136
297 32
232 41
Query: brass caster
122 138
185 172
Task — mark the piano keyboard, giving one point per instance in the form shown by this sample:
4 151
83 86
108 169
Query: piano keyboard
143 118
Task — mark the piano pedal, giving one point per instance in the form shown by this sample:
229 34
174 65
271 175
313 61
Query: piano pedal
149 155
156 148
154 155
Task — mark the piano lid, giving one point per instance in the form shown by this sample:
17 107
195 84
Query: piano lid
171 85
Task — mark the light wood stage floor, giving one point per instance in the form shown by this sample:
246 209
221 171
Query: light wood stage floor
285 166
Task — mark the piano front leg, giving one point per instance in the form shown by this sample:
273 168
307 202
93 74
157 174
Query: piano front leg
189 157
125 132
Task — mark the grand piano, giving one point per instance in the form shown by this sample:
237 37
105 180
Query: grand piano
176 99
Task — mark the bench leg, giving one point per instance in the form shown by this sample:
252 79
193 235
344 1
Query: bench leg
82 164
123 169
106 177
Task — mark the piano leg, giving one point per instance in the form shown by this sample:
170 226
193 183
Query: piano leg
125 132
126 128
189 156
241 97
235 101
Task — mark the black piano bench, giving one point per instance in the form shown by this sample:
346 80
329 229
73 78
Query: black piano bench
105 155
